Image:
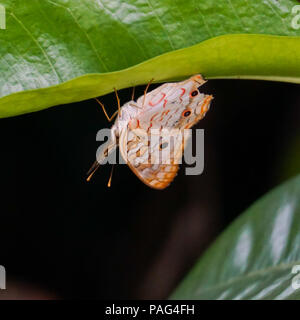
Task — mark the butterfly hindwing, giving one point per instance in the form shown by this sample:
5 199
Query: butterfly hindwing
153 156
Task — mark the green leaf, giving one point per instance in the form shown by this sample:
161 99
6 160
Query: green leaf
60 51
255 256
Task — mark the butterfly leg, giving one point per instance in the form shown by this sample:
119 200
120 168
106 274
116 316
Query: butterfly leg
132 95
110 177
92 170
103 108
145 92
111 145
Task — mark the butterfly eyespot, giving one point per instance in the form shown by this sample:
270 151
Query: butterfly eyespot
163 145
186 113
194 93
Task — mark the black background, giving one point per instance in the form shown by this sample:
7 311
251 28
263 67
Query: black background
62 237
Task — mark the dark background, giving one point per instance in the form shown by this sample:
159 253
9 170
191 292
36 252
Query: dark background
62 237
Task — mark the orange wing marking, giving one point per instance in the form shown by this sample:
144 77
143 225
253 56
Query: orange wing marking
152 104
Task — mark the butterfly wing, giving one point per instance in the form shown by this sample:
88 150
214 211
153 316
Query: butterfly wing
153 141
154 159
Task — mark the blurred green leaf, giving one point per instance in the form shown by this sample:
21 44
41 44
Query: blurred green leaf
61 51
254 257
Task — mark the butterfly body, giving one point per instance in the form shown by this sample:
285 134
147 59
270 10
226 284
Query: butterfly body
149 132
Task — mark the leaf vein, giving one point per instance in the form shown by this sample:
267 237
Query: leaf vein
124 28
162 25
84 32
38 45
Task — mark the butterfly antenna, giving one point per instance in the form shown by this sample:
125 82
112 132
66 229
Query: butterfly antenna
92 170
110 177
132 95
105 112
118 100
145 92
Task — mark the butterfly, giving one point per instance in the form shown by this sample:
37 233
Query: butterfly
150 131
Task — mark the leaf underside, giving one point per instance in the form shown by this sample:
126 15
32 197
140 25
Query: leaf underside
60 51
254 258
